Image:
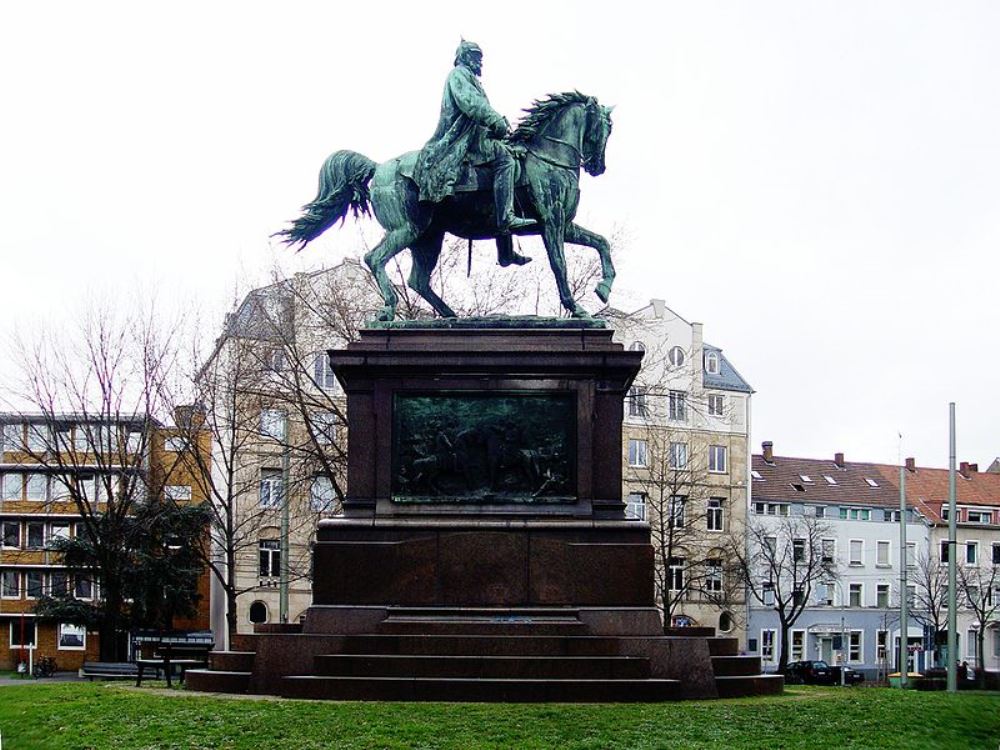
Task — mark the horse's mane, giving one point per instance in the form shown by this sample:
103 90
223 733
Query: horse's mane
541 111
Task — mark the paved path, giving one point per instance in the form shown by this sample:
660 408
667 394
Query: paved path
57 677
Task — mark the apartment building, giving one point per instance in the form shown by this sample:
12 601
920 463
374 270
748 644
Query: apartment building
53 469
685 462
851 616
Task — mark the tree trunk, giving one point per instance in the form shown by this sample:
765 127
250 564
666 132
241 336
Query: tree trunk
783 651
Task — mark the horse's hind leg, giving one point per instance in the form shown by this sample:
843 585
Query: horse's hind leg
580 236
425 252
391 245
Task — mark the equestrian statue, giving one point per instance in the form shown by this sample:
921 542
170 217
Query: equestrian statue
446 186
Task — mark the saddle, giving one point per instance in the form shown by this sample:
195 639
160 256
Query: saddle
474 178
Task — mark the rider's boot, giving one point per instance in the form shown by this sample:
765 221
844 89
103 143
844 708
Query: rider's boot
506 255
503 195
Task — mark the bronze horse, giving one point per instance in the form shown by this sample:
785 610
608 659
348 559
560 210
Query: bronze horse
558 135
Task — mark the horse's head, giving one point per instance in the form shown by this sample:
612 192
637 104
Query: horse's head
595 137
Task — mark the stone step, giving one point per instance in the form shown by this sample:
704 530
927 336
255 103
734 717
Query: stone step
505 667
213 681
746 685
736 666
723 646
476 690
690 632
482 626
484 645
231 661
438 613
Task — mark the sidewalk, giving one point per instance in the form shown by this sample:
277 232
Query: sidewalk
57 677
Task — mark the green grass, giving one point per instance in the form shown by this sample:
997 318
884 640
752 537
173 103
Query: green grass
85 715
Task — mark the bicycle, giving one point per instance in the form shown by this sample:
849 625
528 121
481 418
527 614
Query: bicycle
44 667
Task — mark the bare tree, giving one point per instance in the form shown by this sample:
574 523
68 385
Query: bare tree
91 404
780 561
929 604
979 586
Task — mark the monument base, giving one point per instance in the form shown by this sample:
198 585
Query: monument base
484 553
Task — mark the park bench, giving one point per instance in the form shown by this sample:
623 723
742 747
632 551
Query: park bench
109 670
170 651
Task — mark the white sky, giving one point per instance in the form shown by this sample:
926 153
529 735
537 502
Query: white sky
817 182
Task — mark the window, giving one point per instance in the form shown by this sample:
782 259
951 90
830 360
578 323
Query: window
996 553
855 514
978 516
882 554
717 458
36 535
33 584
771 545
798 550
177 492
676 356
767 638
175 444
678 455
258 613
712 363
716 404
637 346
635 506
971 553
272 424
972 638
38 438
36 485
58 583
805 478
58 531
911 594
637 401
321 494
881 645
798 595
276 360
83 588
272 488
713 576
767 594
854 595
770 509
972 596
323 373
882 595
72 637
676 510
911 554
855 650
22 633
637 453
756 475
798 645
891 516
871 482
714 520
13 437
269 551
10 584
829 547
824 593
677 406
857 552
830 480
676 573
324 425
12 487
10 534
945 552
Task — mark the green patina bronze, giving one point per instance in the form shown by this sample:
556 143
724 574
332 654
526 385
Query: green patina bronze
484 448
467 180
505 322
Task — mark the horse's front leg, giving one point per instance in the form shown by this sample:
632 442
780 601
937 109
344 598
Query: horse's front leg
580 236
553 234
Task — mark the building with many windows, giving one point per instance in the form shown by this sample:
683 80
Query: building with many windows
685 470
55 469
851 617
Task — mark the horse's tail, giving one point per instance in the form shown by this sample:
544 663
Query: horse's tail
343 187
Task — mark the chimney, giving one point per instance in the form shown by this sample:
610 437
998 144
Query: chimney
974 468
697 352
838 459
659 306
911 464
768 447
963 469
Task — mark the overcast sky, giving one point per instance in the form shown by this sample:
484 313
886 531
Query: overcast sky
816 182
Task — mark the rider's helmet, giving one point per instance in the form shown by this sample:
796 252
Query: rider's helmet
468 52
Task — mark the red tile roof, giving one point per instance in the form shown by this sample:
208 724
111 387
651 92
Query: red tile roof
927 489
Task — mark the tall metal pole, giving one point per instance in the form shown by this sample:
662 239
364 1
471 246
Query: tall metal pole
283 570
952 562
904 630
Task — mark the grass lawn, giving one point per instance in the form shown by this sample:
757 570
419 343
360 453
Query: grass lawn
99 715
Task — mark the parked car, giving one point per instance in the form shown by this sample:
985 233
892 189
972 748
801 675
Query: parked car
851 676
808 673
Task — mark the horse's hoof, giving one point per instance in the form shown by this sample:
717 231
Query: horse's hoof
603 291
386 314
579 312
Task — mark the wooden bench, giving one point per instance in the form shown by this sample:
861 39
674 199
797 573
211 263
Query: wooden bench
166 665
109 670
